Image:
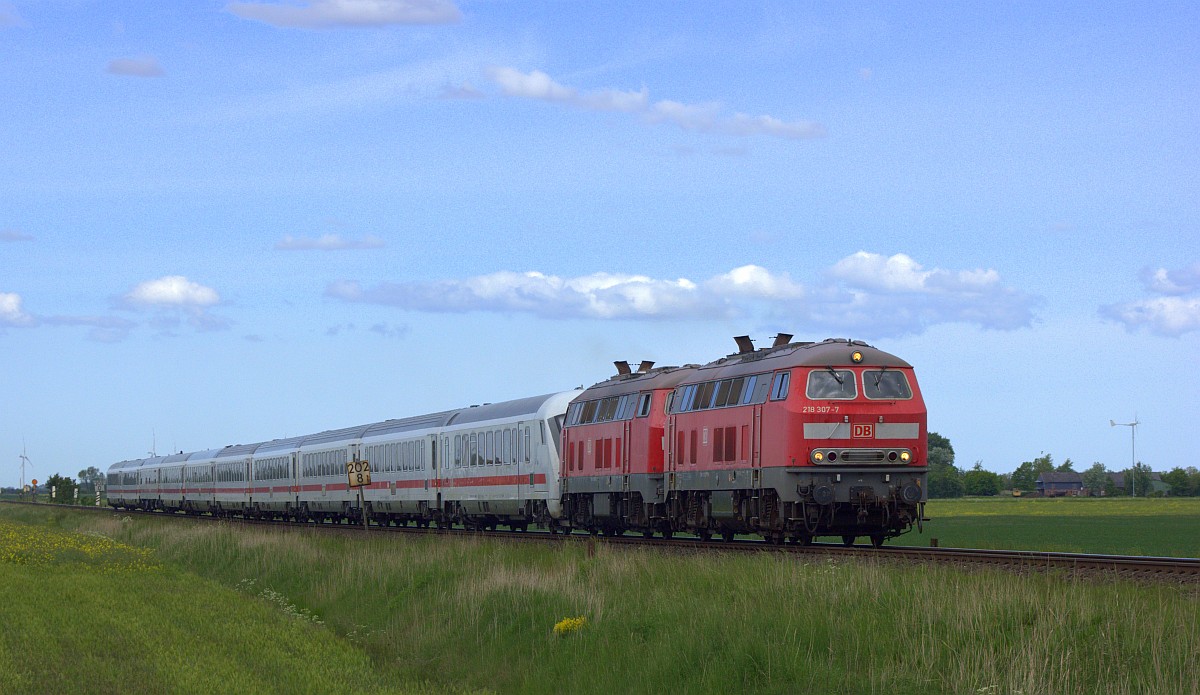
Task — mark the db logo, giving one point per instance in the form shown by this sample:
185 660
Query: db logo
866 431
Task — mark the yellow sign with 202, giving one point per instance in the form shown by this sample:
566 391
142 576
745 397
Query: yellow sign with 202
359 473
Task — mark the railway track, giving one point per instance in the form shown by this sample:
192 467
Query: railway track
1169 569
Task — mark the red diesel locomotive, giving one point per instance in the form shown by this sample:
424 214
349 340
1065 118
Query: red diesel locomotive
793 441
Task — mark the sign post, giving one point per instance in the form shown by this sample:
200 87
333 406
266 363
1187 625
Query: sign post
359 474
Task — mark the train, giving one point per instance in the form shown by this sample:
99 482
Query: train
789 442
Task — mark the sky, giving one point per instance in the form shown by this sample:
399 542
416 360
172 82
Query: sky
227 222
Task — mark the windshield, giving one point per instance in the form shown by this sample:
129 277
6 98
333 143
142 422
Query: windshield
886 384
831 383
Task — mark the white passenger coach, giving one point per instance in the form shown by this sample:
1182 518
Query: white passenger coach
480 466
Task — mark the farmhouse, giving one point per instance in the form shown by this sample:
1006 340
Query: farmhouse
1055 484
1156 484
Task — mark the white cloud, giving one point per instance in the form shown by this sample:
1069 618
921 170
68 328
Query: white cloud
600 295
1173 282
755 282
899 273
328 242
324 14
1167 316
146 66
11 313
909 301
13 235
533 85
1171 315
706 117
172 291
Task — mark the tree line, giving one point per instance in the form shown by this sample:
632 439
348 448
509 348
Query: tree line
948 480
65 487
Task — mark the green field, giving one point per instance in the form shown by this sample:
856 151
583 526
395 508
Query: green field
175 605
1114 526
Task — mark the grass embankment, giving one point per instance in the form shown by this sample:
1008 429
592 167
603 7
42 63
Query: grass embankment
478 614
1115 526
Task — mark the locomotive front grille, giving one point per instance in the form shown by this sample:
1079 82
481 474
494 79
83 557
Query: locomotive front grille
862 456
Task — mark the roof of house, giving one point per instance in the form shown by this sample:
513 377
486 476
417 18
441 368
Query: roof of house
1060 478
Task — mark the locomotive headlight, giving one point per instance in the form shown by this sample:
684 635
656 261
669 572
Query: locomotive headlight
818 456
905 456
856 356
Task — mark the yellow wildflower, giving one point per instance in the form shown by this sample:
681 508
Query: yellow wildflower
569 625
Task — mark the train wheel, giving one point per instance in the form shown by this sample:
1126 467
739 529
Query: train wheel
705 534
727 536
877 540
848 540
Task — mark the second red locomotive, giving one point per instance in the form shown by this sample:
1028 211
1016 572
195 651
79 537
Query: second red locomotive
793 441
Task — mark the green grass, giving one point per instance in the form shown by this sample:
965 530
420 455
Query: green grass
1115 526
470 614
84 613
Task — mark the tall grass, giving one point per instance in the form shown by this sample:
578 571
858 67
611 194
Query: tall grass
468 613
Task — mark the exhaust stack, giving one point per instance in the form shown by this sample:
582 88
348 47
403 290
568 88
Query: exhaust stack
782 339
645 366
744 344
622 367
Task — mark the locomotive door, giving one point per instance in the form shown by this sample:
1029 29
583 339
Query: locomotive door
756 443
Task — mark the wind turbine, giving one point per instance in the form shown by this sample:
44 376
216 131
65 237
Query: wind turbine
24 462
1133 453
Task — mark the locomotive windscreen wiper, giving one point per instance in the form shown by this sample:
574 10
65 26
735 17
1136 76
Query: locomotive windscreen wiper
879 376
836 376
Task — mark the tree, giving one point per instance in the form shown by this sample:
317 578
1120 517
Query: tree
1137 480
88 479
1066 467
1096 480
981 483
1026 475
945 480
1023 478
63 489
1180 482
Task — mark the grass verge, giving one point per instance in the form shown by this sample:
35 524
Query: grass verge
471 614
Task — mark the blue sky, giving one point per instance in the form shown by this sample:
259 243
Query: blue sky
228 222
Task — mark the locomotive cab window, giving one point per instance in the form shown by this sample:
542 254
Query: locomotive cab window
886 385
644 405
831 384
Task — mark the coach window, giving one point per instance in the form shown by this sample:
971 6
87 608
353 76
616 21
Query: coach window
704 396
886 385
526 440
832 384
